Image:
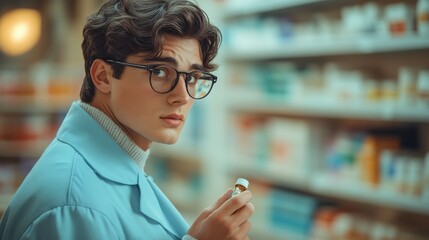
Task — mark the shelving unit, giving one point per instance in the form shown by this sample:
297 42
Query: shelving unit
204 163
255 103
28 123
344 45
39 104
23 107
321 184
241 7
249 100
23 149
266 232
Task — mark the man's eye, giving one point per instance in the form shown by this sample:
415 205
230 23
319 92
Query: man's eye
192 79
160 72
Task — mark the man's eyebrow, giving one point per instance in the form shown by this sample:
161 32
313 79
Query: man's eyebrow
197 67
173 62
169 60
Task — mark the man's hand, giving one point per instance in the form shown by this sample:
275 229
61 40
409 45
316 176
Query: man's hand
227 218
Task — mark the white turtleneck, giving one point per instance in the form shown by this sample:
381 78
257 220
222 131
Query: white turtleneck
136 153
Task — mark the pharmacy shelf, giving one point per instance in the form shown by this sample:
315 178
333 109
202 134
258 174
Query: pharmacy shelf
243 51
326 185
273 175
36 104
260 104
262 231
236 8
23 149
357 191
182 196
180 150
332 47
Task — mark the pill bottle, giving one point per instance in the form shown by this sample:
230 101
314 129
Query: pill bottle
240 185
422 12
399 19
423 88
414 177
407 86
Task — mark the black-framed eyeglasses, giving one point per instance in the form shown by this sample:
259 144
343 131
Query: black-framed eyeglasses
164 78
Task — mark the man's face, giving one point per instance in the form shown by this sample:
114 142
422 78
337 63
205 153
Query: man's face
148 116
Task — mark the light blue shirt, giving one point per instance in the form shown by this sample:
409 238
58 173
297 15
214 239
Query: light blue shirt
85 186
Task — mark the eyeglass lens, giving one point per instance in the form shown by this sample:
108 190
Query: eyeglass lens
164 78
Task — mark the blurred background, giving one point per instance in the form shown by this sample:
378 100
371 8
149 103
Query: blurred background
323 105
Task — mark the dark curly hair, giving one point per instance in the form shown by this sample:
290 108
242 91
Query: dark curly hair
126 27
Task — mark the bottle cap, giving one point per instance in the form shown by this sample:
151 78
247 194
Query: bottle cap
243 182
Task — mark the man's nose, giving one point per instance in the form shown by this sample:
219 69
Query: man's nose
179 95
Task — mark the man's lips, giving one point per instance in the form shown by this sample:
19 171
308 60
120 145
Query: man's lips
173 116
173 120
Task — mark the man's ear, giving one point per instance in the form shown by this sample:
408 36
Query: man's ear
101 75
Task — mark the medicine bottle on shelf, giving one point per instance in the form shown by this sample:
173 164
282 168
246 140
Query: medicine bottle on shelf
422 12
240 185
423 88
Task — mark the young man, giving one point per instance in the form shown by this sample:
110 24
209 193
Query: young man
146 62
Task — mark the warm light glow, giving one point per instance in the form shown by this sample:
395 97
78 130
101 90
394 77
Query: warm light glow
20 30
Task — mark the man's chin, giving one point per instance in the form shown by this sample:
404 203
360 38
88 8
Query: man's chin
168 136
169 141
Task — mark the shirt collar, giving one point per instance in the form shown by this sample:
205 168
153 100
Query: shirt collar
136 153
97 147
